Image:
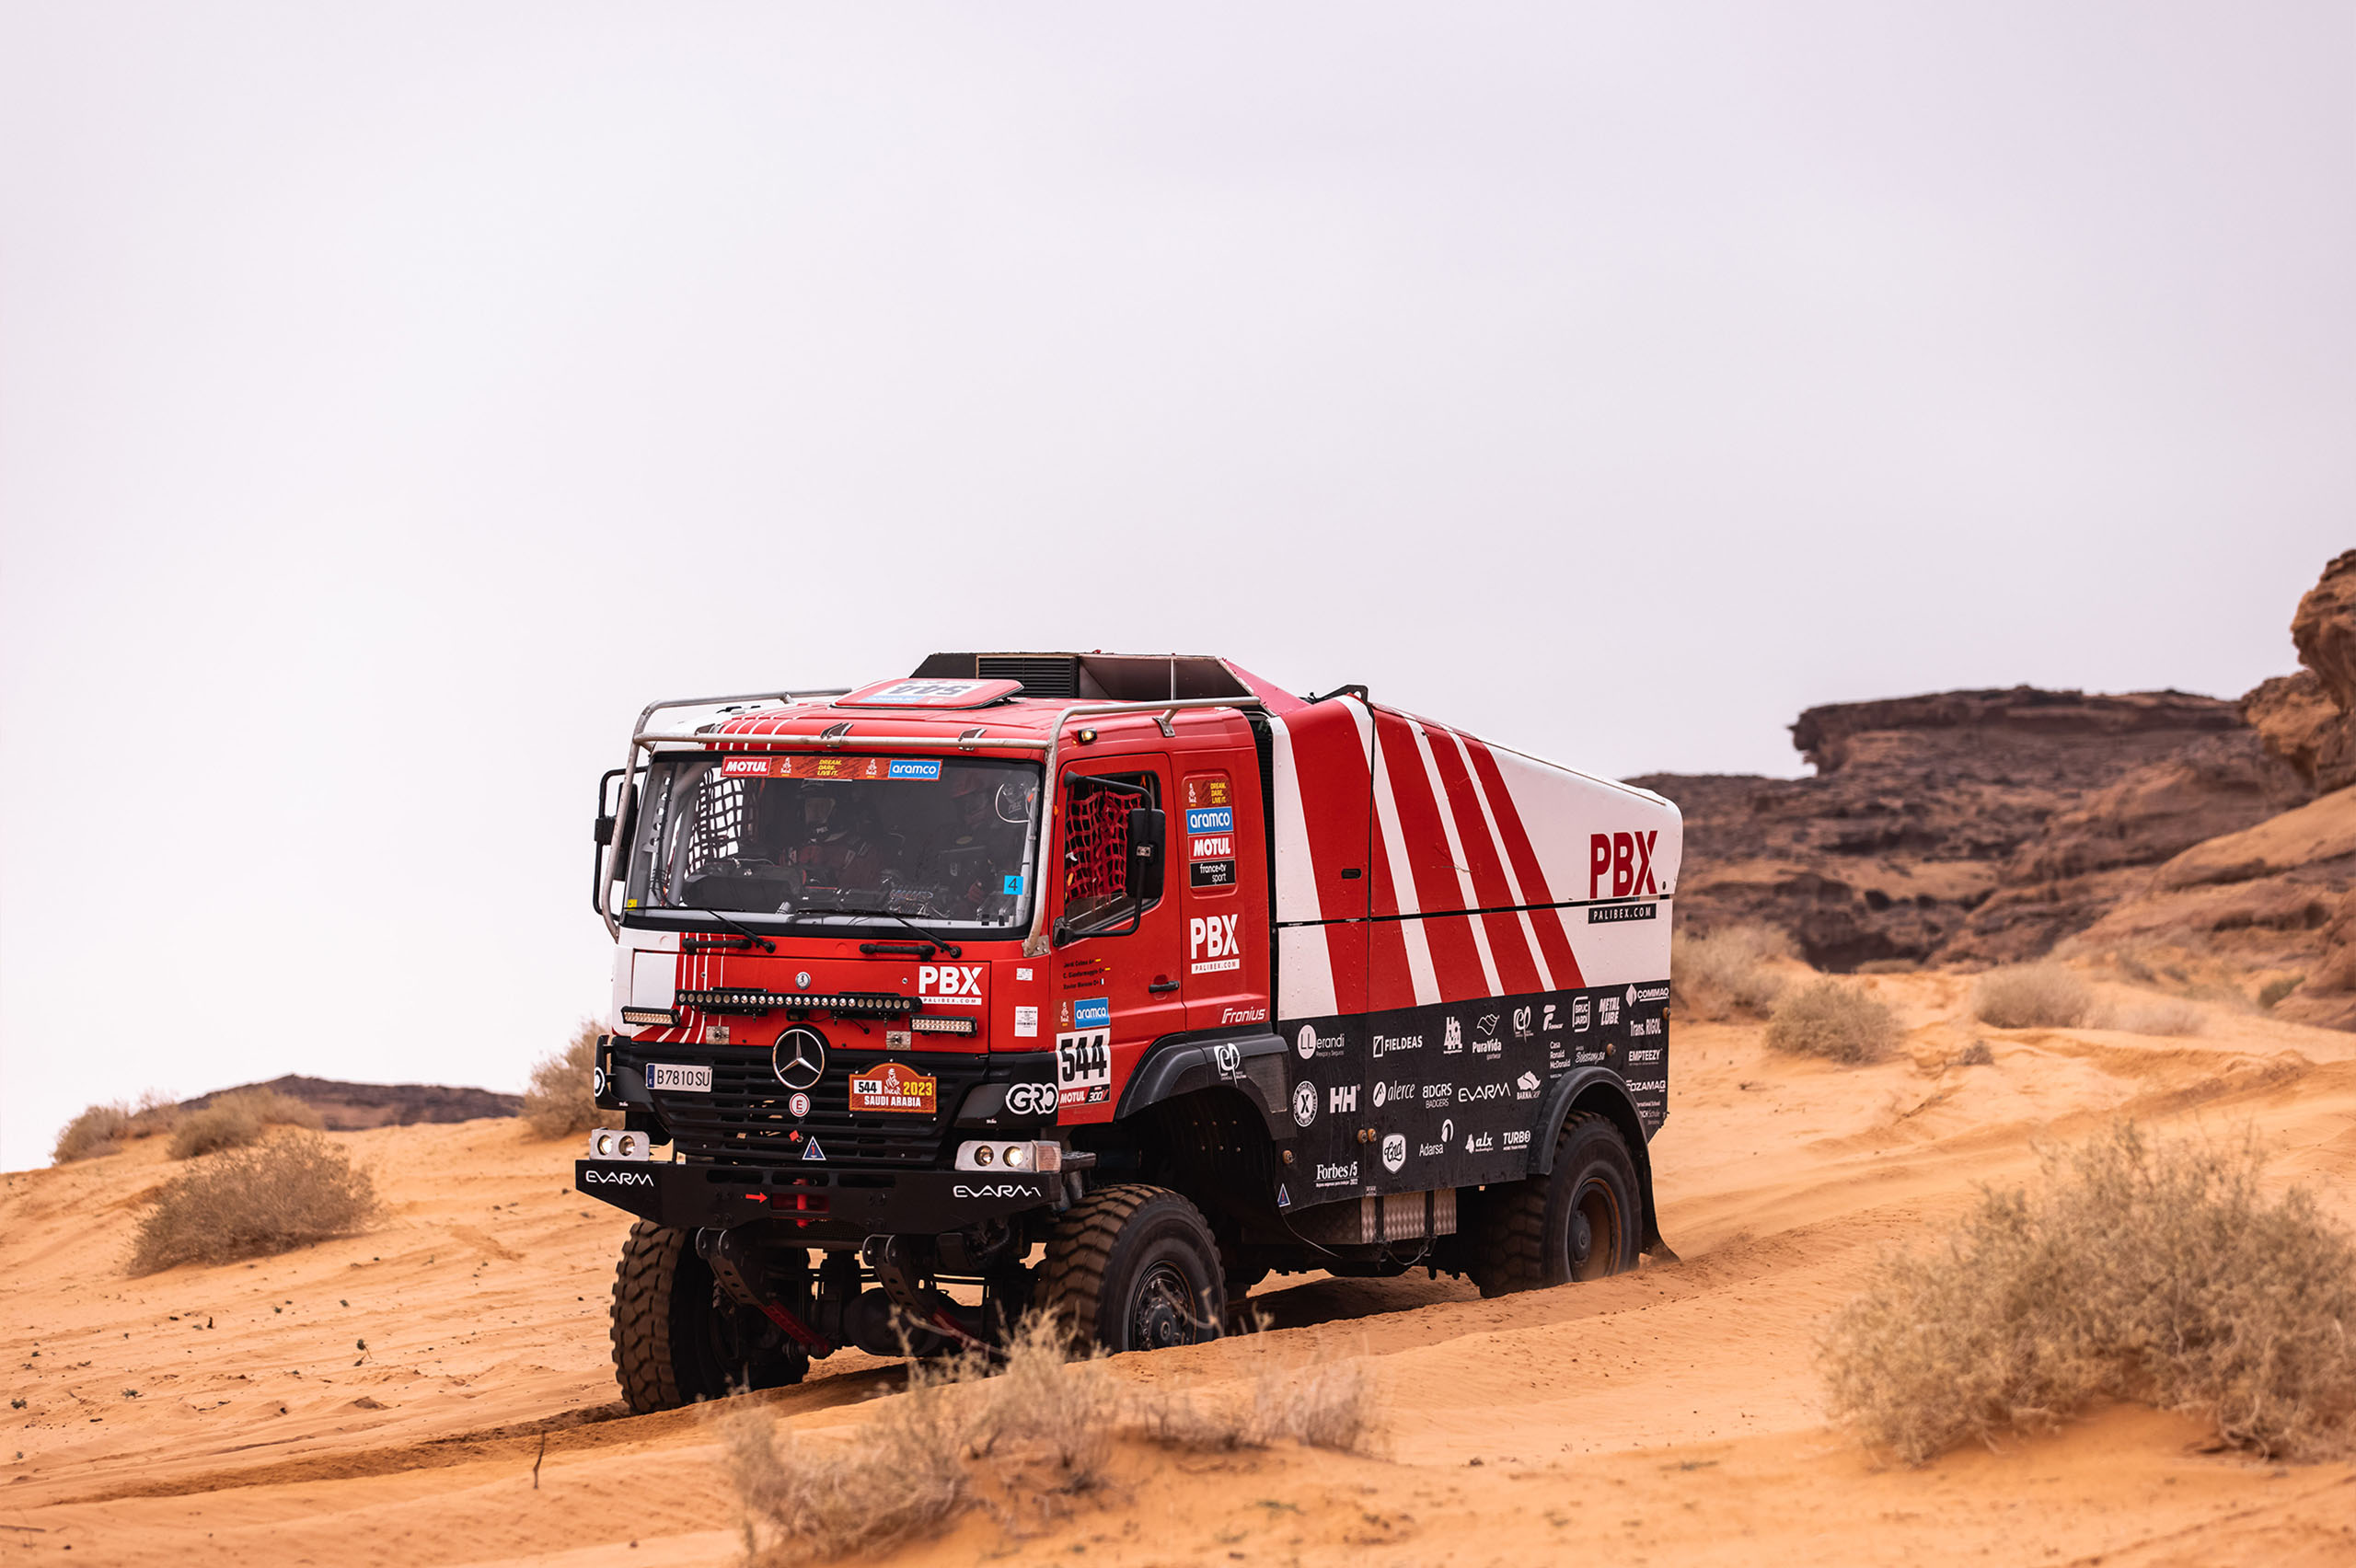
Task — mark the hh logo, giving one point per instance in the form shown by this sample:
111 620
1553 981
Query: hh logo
1626 857
1342 1098
1212 945
960 984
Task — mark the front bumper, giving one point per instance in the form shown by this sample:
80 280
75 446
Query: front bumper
829 1204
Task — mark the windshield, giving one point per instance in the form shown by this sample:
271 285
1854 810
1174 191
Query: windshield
947 841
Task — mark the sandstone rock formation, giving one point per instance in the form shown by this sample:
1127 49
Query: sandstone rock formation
2309 719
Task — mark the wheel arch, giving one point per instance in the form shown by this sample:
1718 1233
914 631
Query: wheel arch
1600 1091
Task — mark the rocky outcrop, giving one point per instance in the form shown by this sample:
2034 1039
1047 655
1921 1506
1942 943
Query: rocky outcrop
1926 808
2309 719
349 1107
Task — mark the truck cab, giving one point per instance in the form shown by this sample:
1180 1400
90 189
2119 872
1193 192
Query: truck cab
958 996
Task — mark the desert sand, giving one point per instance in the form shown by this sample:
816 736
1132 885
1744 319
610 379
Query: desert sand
438 1391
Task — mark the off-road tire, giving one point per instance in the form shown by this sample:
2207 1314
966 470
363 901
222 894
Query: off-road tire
1135 1267
665 1351
1524 1234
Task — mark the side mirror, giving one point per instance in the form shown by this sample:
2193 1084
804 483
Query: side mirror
1146 827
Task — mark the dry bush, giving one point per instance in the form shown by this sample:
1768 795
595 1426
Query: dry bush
559 1100
1322 1405
1835 1021
98 1130
908 1471
2154 1273
2158 1015
2274 990
1725 974
233 1121
293 1190
2032 995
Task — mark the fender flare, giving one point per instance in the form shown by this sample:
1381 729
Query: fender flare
1599 1090
1179 1065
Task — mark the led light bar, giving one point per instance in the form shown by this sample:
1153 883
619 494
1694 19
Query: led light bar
747 1002
643 1018
924 1024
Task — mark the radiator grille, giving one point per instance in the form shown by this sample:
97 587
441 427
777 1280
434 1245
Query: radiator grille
744 1117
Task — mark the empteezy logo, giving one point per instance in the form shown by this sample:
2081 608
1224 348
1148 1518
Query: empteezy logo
958 985
1626 857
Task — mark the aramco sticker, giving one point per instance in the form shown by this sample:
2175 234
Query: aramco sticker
892 1086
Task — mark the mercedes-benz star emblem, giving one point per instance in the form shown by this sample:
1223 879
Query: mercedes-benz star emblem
802 981
799 1058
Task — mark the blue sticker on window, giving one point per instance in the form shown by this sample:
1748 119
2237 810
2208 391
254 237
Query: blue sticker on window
1210 819
1095 1013
911 767
1013 885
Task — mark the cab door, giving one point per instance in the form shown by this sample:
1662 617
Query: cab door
1219 853
1117 957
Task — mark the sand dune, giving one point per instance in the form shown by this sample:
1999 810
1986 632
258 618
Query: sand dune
1669 1416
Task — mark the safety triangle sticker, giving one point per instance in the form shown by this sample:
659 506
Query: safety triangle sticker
1284 1199
812 1151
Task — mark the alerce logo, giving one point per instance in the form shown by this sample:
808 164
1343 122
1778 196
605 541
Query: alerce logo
1626 859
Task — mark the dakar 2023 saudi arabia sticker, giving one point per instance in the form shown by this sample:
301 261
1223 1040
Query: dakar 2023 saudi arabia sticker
891 1086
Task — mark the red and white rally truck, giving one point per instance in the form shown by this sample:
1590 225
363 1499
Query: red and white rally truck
1138 966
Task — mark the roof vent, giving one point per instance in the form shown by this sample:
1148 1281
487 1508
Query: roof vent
1042 674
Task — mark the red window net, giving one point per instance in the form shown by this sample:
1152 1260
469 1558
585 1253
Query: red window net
1096 842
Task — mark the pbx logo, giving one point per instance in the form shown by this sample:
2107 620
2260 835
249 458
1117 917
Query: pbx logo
1626 857
1211 943
960 984
1342 1098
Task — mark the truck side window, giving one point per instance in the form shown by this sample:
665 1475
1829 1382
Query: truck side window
1096 848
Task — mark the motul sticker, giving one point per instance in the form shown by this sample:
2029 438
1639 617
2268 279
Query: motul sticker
1084 1067
1216 848
856 770
892 1086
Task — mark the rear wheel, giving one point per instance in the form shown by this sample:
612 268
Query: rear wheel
679 1337
1579 1221
1135 1267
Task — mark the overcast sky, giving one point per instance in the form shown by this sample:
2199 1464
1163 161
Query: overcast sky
394 398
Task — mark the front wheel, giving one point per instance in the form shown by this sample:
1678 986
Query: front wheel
1135 1267
1580 1221
678 1338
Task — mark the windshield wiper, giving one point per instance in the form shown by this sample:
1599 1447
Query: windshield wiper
952 949
749 934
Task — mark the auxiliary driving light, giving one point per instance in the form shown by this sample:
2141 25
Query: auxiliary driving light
607 1144
1025 1156
1017 1156
981 1156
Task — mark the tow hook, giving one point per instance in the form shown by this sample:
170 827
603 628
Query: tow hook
722 1250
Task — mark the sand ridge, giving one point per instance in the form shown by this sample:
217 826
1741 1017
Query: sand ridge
1670 1415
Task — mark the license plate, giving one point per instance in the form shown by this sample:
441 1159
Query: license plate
692 1081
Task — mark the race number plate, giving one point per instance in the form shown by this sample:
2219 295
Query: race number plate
691 1080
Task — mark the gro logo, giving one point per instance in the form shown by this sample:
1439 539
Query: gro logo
1029 1098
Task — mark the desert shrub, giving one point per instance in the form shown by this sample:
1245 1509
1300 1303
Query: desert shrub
293 1190
1833 1020
909 1470
2274 990
2032 995
557 1101
2154 1273
2157 1015
98 1130
1979 1054
233 1121
1725 974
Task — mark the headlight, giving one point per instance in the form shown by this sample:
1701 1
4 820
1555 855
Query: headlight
982 1155
1017 1156
601 1144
